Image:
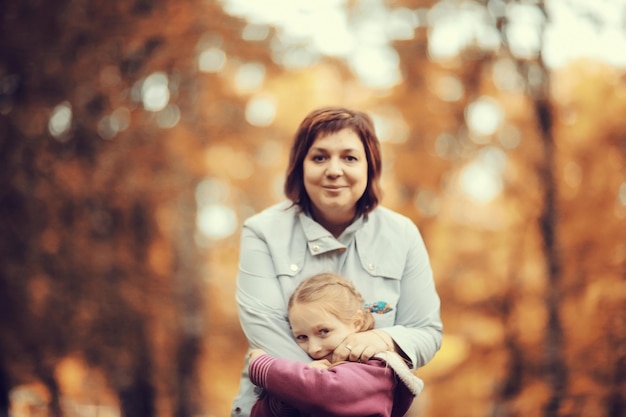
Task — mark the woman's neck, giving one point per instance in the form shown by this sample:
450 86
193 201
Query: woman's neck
336 230
335 224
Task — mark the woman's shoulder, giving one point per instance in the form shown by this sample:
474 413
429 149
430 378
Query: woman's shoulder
386 218
272 216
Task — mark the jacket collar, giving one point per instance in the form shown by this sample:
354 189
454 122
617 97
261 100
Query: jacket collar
321 240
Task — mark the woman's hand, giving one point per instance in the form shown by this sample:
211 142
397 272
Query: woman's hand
360 347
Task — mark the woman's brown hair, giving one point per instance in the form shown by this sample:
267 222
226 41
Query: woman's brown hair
336 295
325 121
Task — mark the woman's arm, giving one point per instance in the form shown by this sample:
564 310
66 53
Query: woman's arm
417 330
260 301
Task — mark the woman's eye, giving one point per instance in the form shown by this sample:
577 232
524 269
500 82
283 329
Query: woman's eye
319 158
351 158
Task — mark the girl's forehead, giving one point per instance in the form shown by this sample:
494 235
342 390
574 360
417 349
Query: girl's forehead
310 312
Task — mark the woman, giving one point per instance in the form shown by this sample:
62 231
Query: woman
323 311
332 222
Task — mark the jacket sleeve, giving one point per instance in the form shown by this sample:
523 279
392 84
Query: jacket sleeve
260 301
418 306
348 389
417 328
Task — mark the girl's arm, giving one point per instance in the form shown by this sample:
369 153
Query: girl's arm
348 389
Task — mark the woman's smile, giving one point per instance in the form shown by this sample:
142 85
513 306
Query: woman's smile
334 188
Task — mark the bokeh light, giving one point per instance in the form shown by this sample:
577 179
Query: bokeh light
482 178
523 31
215 218
447 146
216 221
211 60
249 77
427 202
377 67
507 77
168 117
111 125
401 24
448 88
261 110
60 121
484 116
211 190
509 136
155 93
255 32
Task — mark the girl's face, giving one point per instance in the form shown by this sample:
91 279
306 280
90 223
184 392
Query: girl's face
335 176
317 331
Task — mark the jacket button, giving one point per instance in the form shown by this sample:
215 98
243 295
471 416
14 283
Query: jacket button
293 267
371 267
316 248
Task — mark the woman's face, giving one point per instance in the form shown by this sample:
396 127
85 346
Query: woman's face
335 176
317 331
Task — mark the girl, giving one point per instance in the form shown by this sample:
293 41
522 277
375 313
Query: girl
322 312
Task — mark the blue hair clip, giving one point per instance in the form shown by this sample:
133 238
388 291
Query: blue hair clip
379 307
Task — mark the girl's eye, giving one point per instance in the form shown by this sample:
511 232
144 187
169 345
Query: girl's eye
324 332
301 338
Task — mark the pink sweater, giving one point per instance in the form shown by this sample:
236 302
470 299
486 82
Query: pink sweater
378 388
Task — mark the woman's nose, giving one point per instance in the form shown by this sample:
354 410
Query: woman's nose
334 168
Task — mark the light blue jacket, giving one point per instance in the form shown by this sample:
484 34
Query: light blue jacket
383 254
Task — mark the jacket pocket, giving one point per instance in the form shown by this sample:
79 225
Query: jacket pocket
383 263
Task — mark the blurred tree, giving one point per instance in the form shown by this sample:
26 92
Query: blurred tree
532 140
101 126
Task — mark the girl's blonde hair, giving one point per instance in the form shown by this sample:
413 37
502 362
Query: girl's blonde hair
336 295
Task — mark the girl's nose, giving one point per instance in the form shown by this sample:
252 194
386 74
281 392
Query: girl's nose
314 349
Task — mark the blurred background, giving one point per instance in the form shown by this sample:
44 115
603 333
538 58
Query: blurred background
137 135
